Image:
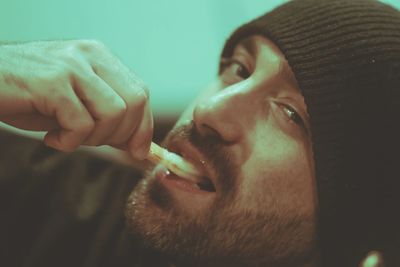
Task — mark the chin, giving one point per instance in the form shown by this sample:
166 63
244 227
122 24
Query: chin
216 233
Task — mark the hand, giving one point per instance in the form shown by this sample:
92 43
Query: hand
373 259
78 92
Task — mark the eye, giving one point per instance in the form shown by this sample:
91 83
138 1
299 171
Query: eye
293 116
233 71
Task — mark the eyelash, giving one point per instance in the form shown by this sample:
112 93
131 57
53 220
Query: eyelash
226 63
297 118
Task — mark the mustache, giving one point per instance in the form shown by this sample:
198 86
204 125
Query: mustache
215 150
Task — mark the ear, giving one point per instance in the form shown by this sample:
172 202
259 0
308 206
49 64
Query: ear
373 259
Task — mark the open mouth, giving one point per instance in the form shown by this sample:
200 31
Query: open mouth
206 185
202 182
191 183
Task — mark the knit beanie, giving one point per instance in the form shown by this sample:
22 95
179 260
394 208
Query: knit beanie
345 55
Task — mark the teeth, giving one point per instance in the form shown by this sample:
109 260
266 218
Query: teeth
201 183
171 162
161 171
180 166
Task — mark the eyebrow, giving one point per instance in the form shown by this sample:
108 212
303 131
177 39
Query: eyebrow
249 45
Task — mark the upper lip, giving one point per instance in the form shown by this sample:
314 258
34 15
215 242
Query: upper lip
191 154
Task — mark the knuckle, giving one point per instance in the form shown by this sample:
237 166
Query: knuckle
117 109
146 91
99 45
55 77
140 99
72 61
90 45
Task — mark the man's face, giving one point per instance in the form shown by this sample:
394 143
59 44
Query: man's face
248 131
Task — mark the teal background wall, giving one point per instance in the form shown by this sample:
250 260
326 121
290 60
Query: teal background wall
173 45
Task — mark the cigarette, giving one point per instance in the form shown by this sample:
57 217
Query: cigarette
172 161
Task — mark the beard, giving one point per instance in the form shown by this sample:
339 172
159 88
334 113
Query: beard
223 234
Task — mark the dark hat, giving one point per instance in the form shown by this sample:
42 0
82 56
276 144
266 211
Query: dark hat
345 55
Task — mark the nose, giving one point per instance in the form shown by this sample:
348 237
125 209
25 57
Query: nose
225 114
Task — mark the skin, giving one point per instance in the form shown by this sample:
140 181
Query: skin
264 211
78 92
265 206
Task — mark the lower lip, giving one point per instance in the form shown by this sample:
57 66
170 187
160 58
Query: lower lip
173 181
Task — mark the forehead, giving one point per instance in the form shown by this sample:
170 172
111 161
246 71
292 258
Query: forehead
253 44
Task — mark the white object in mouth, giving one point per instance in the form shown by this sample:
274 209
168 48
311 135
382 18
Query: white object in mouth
174 163
197 182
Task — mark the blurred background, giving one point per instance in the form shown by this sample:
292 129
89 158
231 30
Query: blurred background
173 45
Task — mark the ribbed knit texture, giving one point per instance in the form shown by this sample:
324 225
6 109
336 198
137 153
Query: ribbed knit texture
345 55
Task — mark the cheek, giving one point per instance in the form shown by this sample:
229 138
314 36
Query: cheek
279 175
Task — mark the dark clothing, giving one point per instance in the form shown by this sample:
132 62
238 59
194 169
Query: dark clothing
63 209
